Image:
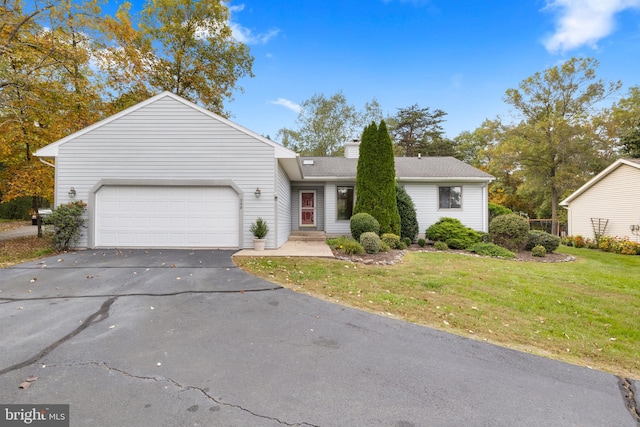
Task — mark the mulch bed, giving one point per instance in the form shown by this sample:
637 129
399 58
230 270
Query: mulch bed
395 256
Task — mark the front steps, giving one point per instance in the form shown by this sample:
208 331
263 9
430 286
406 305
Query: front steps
307 236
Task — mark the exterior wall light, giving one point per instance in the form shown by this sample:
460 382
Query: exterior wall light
257 192
72 192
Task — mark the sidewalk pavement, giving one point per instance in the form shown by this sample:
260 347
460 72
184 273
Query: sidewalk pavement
292 249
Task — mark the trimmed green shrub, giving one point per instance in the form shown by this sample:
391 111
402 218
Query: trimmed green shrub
510 231
422 243
409 227
497 210
542 238
458 243
539 251
363 223
406 241
371 242
384 247
441 246
67 221
392 240
447 229
490 249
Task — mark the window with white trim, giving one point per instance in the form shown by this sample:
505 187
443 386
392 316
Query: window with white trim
450 197
344 205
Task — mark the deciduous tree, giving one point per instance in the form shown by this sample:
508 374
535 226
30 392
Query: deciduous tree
553 140
324 124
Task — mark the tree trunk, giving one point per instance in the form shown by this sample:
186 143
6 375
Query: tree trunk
34 206
554 211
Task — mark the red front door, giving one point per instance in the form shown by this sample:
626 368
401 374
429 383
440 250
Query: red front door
308 208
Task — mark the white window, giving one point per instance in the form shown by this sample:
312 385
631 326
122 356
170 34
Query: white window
450 197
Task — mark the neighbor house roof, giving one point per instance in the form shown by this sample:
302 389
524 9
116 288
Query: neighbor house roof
407 169
634 163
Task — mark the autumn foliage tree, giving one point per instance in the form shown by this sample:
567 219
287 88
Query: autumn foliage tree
64 65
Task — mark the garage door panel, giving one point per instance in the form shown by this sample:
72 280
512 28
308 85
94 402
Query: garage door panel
131 216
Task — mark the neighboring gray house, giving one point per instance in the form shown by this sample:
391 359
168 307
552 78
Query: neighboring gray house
168 173
609 199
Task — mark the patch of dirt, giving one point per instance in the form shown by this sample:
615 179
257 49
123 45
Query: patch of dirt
394 256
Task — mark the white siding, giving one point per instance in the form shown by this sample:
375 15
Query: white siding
615 198
332 225
283 206
474 211
170 140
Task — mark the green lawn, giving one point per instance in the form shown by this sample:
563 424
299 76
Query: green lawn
586 312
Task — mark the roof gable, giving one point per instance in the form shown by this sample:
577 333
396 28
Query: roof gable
51 150
634 163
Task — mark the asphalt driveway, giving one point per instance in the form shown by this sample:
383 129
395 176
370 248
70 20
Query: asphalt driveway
184 338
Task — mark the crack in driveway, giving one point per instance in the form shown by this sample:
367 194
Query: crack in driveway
628 391
7 300
204 392
98 316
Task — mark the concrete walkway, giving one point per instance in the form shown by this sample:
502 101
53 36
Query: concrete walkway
293 249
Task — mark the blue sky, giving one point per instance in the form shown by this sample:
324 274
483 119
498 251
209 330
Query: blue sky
456 55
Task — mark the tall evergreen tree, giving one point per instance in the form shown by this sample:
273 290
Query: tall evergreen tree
375 178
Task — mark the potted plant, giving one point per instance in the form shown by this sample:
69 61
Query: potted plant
259 229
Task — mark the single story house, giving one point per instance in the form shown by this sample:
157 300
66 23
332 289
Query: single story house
608 204
168 173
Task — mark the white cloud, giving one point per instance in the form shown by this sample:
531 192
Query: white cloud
584 22
287 104
244 34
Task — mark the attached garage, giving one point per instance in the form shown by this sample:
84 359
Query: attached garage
167 216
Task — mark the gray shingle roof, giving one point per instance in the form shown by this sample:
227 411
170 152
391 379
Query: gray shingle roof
406 167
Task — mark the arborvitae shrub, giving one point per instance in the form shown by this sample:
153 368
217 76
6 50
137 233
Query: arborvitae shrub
409 227
510 231
542 238
371 242
363 223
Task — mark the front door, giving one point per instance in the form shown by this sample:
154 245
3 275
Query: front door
307 208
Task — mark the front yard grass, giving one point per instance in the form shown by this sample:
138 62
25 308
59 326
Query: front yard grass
584 312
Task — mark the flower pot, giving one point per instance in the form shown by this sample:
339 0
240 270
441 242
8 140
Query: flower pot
258 244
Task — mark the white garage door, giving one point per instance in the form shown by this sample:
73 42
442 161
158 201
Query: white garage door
167 217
